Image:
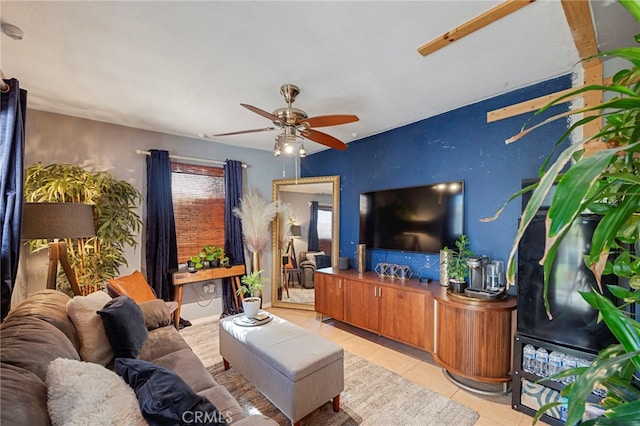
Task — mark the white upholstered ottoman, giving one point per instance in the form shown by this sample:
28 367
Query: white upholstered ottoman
298 371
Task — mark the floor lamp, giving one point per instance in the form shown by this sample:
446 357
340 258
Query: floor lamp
55 221
296 232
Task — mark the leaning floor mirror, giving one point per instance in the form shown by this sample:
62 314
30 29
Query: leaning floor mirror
305 237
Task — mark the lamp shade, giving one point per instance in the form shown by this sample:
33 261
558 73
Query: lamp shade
46 221
296 231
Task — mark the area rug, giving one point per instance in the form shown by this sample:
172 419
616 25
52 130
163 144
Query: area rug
299 295
373 395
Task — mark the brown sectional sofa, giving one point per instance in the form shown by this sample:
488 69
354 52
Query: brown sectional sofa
38 330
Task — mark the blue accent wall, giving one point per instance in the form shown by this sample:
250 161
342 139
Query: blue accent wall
456 145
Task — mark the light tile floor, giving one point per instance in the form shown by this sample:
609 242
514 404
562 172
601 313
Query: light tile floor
493 410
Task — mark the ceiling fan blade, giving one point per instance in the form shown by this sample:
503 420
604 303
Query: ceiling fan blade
266 129
324 139
329 120
261 112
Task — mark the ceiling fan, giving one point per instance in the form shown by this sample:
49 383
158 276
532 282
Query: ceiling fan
295 124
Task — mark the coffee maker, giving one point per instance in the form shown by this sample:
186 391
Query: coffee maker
477 270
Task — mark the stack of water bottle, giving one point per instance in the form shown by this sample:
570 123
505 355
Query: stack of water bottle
543 364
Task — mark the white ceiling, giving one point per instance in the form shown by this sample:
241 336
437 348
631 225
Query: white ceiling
184 67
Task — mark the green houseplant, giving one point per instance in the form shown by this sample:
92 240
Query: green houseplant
115 202
456 264
209 256
250 284
606 183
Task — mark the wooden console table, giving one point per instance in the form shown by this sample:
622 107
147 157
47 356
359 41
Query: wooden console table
182 277
468 337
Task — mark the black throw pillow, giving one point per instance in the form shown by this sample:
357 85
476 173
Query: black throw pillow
124 325
164 398
323 261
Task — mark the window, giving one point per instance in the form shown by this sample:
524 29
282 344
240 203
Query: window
198 206
325 226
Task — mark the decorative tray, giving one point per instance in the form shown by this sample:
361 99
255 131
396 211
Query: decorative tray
245 321
471 295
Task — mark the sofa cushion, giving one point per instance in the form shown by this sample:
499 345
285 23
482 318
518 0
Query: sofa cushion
50 306
74 398
83 311
162 341
164 398
32 343
186 364
156 313
23 398
311 256
224 402
125 326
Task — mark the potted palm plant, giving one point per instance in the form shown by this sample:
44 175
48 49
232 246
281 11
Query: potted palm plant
607 183
456 264
97 259
250 284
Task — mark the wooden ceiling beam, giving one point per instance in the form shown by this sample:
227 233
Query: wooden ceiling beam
578 14
534 104
473 25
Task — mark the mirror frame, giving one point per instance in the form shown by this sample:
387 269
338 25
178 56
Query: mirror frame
276 266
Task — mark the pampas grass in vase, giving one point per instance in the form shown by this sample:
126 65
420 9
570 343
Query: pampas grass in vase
256 215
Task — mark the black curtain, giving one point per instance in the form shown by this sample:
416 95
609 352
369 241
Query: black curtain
160 244
233 245
314 242
13 108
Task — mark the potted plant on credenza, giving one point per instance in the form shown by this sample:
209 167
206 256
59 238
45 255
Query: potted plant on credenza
456 264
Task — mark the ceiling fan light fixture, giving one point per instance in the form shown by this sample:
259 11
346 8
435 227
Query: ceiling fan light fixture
288 148
276 149
296 126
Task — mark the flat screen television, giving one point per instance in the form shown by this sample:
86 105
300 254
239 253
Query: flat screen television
420 218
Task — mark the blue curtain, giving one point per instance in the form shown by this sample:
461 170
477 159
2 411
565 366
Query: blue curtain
314 242
233 245
161 246
12 124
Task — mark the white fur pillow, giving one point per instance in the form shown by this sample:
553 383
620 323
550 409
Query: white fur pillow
83 393
94 344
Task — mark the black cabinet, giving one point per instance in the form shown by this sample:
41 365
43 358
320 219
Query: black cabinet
528 395
575 322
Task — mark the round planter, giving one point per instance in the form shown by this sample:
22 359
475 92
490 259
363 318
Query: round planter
457 286
251 306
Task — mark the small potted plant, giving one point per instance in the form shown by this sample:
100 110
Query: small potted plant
209 256
456 264
196 262
248 287
220 256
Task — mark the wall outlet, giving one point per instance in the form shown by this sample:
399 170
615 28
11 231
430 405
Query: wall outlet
209 288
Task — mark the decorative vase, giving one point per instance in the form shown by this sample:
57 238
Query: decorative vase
251 306
444 264
255 266
255 261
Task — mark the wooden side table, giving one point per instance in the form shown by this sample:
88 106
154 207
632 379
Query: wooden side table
182 277
474 339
